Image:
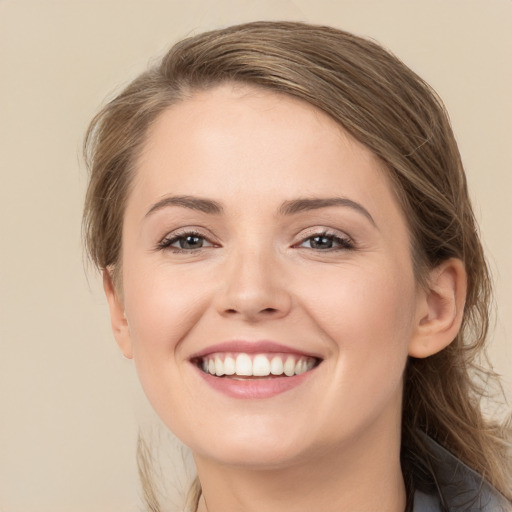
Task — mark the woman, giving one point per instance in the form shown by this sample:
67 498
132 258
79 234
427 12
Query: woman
291 259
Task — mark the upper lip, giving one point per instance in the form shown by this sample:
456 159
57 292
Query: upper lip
251 347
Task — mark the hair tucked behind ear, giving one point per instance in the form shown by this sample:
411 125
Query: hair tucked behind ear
392 111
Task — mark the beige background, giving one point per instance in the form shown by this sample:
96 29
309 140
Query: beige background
69 403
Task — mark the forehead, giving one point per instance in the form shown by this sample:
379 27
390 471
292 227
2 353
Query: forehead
235 141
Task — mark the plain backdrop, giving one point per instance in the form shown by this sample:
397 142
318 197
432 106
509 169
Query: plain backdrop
70 405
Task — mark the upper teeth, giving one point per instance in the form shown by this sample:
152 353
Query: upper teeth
259 365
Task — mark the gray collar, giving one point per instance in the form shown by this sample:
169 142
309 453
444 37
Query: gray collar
459 488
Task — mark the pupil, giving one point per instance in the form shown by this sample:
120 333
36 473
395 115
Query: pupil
321 242
191 242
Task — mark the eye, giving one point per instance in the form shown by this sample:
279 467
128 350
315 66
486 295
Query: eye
184 242
326 241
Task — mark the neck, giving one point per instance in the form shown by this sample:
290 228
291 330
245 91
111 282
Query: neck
363 476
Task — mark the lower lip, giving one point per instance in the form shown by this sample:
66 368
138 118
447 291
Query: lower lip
254 388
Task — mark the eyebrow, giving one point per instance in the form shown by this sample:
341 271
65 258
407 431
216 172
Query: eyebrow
291 207
305 204
194 203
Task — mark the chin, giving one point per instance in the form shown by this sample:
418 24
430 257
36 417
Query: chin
252 446
255 457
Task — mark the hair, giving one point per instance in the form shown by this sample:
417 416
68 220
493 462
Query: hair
388 108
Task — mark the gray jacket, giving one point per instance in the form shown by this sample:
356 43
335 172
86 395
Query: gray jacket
459 488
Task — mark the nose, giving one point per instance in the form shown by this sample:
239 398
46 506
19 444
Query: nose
254 288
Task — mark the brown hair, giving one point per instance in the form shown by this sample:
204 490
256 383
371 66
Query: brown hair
388 108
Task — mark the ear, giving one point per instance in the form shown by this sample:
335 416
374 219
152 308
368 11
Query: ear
440 309
117 317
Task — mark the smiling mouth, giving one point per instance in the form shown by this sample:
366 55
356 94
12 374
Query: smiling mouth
244 366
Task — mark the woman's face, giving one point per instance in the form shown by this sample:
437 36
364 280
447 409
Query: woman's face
260 237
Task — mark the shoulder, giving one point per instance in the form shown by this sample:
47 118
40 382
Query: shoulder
458 488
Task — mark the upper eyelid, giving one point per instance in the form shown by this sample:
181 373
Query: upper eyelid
177 233
343 240
319 230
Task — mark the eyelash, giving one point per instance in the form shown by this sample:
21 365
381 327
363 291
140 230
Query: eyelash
167 242
344 243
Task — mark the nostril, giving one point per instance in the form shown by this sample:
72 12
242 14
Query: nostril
266 310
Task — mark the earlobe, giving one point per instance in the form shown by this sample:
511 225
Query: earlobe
440 309
118 319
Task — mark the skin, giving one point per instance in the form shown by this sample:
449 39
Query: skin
333 442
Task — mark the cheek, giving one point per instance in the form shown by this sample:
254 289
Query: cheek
368 314
367 317
161 308
367 297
